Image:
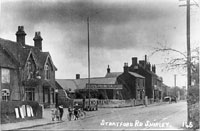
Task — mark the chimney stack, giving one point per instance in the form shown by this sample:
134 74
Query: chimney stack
148 66
38 40
142 63
77 76
125 67
145 59
154 68
134 61
21 35
108 69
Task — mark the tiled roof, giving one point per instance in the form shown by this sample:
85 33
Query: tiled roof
15 49
150 72
20 53
67 84
113 74
74 84
135 74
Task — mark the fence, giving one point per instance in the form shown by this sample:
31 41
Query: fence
130 102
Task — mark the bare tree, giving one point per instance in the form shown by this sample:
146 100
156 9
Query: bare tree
179 59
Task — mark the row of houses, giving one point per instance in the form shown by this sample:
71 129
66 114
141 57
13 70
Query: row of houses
136 81
28 74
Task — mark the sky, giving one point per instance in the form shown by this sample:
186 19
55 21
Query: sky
118 29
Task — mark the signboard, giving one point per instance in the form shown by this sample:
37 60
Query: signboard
104 86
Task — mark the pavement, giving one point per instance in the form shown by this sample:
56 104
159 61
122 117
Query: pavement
46 120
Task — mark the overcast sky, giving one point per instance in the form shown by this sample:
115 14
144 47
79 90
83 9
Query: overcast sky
119 30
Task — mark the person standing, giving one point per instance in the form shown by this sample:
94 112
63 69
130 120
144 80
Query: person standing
61 111
70 110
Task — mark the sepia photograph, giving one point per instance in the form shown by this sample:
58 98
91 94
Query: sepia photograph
99 64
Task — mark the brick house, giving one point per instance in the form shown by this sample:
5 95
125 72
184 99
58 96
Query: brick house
133 84
153 83
26 72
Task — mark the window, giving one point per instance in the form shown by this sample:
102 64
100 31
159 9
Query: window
30 94
30 68
5 75
47 72
5 94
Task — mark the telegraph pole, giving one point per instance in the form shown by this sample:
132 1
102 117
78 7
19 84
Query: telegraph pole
188 55
188 45
88 29
188 59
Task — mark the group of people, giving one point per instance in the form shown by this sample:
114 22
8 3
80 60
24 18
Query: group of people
57 113
74 110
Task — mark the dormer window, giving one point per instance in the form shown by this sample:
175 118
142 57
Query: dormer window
47 72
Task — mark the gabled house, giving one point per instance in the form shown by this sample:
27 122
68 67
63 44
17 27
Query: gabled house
133 84
153 83
27 73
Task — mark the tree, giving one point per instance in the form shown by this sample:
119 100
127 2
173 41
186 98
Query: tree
180 61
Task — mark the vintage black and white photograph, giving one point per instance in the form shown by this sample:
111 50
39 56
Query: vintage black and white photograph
99 64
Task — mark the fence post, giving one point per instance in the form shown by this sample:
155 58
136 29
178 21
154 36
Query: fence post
146 101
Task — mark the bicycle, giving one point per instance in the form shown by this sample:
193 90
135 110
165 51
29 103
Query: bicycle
80 114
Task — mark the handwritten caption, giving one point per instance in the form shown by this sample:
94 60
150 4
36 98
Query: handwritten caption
136 123
188 126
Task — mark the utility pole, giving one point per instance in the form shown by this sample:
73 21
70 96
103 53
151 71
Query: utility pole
188 53
188 60
88 29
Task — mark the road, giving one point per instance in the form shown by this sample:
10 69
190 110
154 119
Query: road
165 116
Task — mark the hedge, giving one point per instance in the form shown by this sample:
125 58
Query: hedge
193 101
8 111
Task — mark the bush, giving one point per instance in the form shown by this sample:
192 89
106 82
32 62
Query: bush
193 101
8 110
